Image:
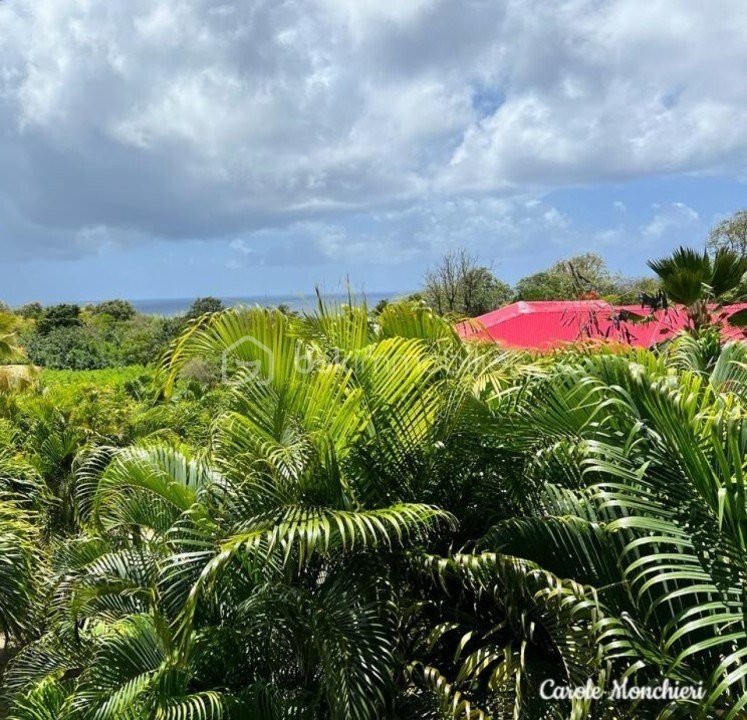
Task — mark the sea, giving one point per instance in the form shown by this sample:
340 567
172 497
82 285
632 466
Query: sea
300 303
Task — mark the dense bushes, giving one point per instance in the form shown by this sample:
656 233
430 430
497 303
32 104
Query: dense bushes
57 317
75 347
104 335
115 309
64 337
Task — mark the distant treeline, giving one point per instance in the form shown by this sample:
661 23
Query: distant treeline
459 286
107 334
114 334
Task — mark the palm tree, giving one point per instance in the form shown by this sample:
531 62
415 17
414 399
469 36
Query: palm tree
696 280
21 566
259 579
8 337
13 377
636 489
388 522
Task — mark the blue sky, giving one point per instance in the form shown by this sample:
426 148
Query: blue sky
174 148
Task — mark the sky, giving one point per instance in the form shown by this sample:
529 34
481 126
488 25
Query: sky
176 148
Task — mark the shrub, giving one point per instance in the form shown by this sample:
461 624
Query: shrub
141 339
119 310
30 311
204 305
59 316
74 348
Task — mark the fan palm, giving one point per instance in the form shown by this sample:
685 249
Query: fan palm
13 377
9 347
695 279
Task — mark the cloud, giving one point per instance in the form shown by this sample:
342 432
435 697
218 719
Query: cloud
610 237
130 120
492 229
673 218
603 90
241 246
665 225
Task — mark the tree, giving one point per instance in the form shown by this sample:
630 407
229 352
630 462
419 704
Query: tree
631 290
204 305
545 285
484 292
506 604
729 234
387 521
577 277
658 521
286 309
19 571
141 340
73 347
30 311
64 315
119 310
458 286
9 348
380 306
695 279
300 533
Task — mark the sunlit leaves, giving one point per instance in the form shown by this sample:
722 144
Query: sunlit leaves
388 522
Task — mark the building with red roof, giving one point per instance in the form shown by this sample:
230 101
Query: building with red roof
543 325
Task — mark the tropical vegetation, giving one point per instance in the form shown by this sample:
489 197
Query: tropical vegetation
354 515
108 334
341 515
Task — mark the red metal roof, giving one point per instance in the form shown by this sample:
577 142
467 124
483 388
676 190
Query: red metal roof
546 324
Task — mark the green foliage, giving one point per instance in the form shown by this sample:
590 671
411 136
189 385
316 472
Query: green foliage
98 340
729 234
69 382
545 285
55 317
76 347
485 292
459 287
204 305
577 277
629 291
339 516
380 306
116 309
21 569
141 340
695 279
30 311
9 349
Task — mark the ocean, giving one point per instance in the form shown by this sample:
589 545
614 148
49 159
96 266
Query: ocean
176 306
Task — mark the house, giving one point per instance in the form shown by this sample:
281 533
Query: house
543 325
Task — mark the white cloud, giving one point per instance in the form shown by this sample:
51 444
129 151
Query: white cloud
610 237
240 245
493 229
215 118
673 218
602 90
